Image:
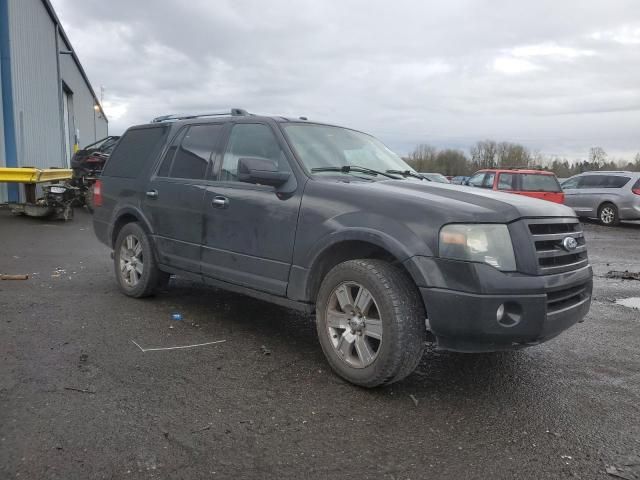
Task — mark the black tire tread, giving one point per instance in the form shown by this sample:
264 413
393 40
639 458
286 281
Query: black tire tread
154 278
408 314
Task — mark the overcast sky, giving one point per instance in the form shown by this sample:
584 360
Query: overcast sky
559 76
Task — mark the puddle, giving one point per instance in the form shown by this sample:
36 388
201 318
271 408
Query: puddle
633 302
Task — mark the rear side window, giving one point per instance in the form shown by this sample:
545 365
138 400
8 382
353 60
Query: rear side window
603 181
192 156
616 181
134 151
532 182
505 181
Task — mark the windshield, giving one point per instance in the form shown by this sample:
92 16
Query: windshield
321 146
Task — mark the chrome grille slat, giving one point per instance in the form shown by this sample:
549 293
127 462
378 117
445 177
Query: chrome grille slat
559 252
547 236
558 236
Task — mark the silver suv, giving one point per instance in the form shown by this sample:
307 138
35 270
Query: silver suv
608 196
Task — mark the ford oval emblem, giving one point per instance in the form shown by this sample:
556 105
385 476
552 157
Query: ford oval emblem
569 244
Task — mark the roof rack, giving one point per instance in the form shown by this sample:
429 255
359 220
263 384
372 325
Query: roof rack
234 112
608 171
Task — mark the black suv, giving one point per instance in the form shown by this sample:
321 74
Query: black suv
327 219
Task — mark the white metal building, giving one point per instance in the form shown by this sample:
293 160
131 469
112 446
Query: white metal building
47 105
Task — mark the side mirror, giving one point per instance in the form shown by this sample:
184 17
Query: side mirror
261 171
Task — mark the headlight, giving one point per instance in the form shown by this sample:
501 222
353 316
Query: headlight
486 243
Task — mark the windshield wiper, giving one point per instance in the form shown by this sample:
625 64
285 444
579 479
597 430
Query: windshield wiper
354 168
408 173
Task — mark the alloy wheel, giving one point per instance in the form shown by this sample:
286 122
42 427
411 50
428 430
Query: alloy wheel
131 260
354 324
607 215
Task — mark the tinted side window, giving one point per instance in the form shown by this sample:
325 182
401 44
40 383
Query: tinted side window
532 182
615 181
571 183
505 181
192 156
134 151
167 160
251 140
488 180
593 181
476 180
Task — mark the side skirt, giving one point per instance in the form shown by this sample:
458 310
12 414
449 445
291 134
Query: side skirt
267 297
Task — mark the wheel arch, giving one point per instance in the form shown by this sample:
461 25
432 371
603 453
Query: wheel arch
351 248
124 216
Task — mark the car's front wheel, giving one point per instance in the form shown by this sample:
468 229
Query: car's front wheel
370 322
135 265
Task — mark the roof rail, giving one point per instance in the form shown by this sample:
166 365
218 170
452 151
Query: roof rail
234 112
608 171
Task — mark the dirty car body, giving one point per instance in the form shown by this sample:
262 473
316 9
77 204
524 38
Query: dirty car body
282 226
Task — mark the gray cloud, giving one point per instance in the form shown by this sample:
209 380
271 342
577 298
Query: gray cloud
557 76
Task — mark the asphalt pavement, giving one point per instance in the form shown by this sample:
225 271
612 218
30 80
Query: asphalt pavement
78 399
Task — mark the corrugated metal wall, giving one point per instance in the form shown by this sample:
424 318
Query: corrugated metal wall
37 103
90 124
35 84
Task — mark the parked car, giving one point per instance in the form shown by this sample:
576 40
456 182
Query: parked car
459 180
435 177
326 219
530 183
607 196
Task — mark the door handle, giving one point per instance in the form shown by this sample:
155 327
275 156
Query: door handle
152 194
220 201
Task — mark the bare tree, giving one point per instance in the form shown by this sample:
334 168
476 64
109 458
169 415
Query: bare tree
484 154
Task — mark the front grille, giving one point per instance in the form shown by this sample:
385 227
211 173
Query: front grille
552 256
566 298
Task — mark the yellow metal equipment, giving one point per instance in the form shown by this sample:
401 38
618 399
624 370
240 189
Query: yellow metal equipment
34 175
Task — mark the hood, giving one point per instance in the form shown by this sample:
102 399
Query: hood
464 204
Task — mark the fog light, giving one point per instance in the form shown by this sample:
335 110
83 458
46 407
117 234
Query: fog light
500 312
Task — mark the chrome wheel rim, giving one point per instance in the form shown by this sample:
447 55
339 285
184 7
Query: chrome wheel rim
607 215
131 261
354 324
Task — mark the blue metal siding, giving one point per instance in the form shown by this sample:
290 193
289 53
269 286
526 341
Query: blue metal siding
9 135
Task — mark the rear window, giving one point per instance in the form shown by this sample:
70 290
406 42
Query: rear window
134 151
532 182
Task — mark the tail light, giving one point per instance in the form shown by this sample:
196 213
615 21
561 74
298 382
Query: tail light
97 194
636 188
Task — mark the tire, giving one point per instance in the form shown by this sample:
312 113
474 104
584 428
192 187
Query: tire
88 199
395 312
608 214
134 263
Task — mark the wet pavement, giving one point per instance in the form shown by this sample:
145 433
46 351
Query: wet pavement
78 399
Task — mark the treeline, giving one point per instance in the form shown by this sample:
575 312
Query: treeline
491 154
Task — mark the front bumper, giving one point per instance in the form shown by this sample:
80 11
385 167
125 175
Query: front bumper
536 308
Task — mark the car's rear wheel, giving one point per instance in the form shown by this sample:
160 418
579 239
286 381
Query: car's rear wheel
134 262
370 322
608 214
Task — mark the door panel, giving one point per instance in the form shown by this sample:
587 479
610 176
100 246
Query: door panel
250 241
175 196
250 229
